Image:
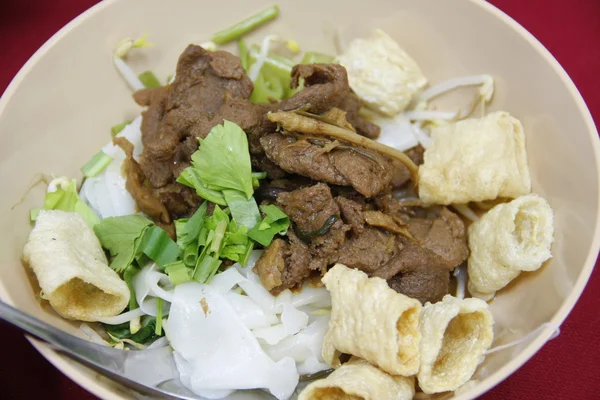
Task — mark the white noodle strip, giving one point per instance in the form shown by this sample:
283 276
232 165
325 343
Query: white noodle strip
122 318
128 74
158 343
429 115
92 335
262 56
527 337
272 62
461 282
465 211
452 84
152 283
422 136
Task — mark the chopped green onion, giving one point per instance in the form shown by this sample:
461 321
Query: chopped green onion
159 314
157 245
267 87
128 275
215 246
206 268
259 175
97 163
33 213
149 80
115 130
244 259
243 49
245 26
313 57
178 273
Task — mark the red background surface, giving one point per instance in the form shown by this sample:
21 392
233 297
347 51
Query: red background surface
565 368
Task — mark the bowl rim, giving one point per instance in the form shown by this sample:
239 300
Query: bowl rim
104 391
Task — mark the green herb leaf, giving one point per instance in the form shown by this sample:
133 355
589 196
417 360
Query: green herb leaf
188 230
121 236
128 275
223 160
144 335
189 177
244 211
159 247
275 222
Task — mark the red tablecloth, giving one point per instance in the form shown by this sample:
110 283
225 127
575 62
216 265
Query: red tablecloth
565 368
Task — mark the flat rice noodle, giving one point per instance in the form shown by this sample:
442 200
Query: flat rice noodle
216 353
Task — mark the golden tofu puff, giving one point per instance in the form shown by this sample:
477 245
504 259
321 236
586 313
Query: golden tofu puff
359 380
455 335
383 75
72 269
508 239
371 321
475 159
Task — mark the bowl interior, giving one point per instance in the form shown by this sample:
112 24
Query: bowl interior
59 109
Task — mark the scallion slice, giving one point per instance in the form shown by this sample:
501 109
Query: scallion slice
98 162
149 80
245 26
159 247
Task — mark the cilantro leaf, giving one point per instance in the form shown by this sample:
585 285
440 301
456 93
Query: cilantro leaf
122 236
223 161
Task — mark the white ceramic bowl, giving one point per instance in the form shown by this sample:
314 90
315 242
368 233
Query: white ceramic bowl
57 112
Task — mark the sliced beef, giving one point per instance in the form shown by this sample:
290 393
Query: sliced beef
438 242
401 174
317 221
326 86
369 250
184 108
424 284
284 265
309 208
352 213
366 171
271 264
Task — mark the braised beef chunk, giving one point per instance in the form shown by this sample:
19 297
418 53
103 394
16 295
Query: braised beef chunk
186 107
271 264
352 213
424 284
366 171
368 250
309 208
438 242
401 174
317 221
326 86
